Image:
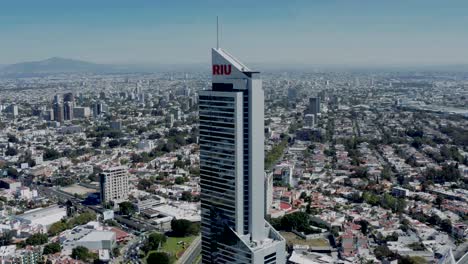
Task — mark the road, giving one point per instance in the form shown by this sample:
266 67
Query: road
130 251
461 250
192 252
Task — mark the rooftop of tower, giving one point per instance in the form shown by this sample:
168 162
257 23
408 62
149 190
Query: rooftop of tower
235 62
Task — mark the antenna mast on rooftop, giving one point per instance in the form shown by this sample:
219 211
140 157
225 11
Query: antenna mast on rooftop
217 32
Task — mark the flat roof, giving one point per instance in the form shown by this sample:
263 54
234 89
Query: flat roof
42 213
98 236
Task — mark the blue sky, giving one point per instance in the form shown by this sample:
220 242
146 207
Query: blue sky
347 32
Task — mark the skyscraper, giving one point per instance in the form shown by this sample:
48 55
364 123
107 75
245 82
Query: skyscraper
58 112
232 168
314 105
68 111
69 97
68 105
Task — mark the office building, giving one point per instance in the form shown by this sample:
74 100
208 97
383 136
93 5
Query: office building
99 109
314 106
232 168
114 184
68 110
68 106
7 183
13 110
58 112
116 125
81 112
309 120
170 120
69 97
49 115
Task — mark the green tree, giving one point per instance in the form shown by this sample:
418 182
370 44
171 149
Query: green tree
411 260
364 226
51 154
295 221
386 173
113 143
37 239
303 195
97 143
52 248
127 208
383 252
417 246
439 200
5 238
446 225
82 219
11 151
183 227
370 198
186 196
144 184
12 172
12 138
155 240
57 228
80 253
179 180
158 257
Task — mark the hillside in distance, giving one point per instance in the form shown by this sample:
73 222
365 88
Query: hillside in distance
54 65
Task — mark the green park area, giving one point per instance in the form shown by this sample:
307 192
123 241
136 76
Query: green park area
176 246
294 239
167 248
173 247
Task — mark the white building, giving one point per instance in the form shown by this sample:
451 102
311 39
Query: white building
309 120
145 145
91 236
42 216
114 184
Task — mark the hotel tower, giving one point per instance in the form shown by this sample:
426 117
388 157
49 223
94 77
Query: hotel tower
234 229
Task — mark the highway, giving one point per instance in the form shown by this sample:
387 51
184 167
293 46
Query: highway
192 252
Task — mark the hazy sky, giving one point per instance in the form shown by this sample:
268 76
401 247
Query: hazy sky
375 32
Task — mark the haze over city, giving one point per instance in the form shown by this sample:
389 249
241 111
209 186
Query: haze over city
298 32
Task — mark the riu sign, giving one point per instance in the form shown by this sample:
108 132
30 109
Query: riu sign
219 69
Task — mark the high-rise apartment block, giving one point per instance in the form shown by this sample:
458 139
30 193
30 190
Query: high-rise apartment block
232 174
309 120
114 184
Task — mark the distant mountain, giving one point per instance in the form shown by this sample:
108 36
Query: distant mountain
62 65
54 65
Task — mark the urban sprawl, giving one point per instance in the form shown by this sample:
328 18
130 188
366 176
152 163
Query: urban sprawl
359 167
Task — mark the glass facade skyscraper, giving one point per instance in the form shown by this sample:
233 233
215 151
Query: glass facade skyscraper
232 168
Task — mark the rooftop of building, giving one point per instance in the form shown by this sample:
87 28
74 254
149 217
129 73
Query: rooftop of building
42 213
235 62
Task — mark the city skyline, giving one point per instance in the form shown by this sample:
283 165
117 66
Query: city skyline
344 140
397 33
